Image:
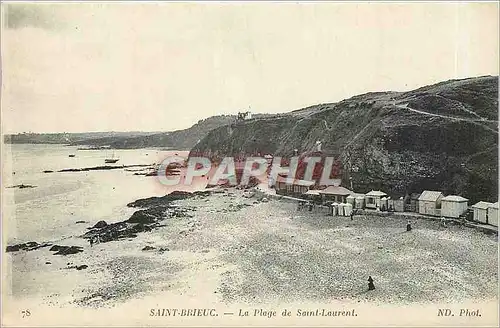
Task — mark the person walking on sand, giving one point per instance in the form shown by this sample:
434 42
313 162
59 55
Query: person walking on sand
371 286
91 240
408 226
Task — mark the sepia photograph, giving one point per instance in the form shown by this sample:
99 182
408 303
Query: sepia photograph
248 163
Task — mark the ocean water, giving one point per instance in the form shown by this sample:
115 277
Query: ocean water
49 211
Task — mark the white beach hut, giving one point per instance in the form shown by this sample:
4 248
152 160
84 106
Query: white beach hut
493 214
351 199
335 208
453 206
384 204
480 211
390 204
429 202
341 209
399 204
373 198
347 209
360 202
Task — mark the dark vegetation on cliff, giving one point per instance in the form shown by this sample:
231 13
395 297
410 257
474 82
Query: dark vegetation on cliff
439 137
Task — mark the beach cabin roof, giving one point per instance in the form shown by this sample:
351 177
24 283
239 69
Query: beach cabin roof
376 193
313 192
431 196
494 205
336 190
453 198
351 196
483 205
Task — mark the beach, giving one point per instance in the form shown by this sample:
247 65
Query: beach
238 249
242 247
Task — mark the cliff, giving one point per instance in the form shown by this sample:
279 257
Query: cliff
439 137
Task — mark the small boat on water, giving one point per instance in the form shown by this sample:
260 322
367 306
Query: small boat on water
71 155
112 159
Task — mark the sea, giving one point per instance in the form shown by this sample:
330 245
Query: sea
49 211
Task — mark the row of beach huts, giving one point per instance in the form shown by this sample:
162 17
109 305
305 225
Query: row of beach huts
433 203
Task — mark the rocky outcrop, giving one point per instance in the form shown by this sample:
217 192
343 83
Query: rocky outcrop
29 246
440 137
103 168
66 250
22 186
99 225
165 200
154 210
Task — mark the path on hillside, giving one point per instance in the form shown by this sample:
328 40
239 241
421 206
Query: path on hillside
463 107
470 120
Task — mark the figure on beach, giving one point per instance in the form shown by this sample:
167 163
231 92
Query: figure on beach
408 226
94 240
443 222
371 286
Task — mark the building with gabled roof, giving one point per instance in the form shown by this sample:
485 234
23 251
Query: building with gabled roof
335 193
429 202
373 198
480 211
453 206
296 188
493 214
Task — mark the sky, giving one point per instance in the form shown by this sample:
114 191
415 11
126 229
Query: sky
163 66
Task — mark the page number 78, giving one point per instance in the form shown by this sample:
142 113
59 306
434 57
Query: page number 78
25 313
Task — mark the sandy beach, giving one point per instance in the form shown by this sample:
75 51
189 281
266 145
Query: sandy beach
236 249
